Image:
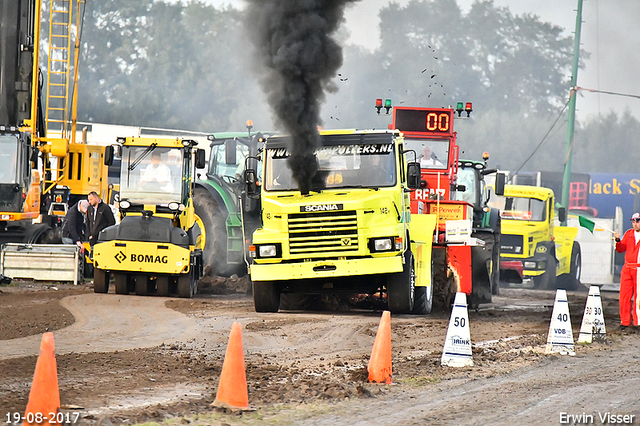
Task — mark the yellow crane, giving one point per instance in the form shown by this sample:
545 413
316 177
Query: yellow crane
42 167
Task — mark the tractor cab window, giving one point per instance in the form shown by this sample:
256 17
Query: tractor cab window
8 159
229 167
467 177
430 153
519 208
152 175
339 166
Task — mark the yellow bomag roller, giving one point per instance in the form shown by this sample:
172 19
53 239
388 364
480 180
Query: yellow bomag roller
156 247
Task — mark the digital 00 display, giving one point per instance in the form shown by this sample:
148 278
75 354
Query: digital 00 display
422 120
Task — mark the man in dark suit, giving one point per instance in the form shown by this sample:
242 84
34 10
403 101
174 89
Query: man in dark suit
99 216
73 230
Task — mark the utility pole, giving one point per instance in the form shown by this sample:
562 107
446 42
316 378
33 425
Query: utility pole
566 178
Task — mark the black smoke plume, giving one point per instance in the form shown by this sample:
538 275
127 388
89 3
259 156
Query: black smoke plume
299 59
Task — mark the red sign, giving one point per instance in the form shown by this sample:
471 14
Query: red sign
432 121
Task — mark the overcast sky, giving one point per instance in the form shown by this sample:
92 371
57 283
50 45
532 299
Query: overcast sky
610 32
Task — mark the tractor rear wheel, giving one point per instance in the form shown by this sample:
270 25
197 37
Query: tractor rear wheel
214 233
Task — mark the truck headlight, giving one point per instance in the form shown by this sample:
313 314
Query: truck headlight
382 244
124 204
529 265
267 250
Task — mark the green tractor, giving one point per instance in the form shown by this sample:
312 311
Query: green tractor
222 207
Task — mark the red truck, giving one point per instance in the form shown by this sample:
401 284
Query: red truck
466 249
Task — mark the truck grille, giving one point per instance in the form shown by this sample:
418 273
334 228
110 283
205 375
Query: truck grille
323 232
511 244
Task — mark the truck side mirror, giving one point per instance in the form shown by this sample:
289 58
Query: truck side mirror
201 160
501 178
251 182
413 175
108 155
230 151
562 214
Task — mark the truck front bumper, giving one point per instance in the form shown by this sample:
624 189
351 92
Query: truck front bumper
325 268
526 268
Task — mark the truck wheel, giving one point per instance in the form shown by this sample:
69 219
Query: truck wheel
214 232
424 296
571 281
121 279
142 285
401 287
547 281
266 296
100 281
162 285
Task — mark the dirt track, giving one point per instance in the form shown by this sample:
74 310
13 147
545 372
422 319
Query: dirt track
135 359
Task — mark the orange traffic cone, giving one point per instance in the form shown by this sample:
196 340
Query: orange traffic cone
44 397
232 389
380 362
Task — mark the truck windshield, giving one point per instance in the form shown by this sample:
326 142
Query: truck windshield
156 179
340 166
8 158
518 208
431 153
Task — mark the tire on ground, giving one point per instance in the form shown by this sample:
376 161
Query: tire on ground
185 286
266 296
571 281
162 285
495 266
100 281
423 303
401 287
142 285
547 281
122 284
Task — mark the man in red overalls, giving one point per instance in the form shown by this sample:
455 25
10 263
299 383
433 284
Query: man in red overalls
629 285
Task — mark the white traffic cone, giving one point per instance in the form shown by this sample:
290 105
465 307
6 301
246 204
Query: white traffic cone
560 338
593 328
457 345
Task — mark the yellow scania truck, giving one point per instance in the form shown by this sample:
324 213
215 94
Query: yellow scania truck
534 250
353 232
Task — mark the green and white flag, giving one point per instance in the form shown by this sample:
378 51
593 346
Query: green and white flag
585 222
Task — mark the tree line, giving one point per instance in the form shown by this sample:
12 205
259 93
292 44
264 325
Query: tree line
188 65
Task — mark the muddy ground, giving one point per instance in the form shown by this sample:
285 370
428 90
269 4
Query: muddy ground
130 359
